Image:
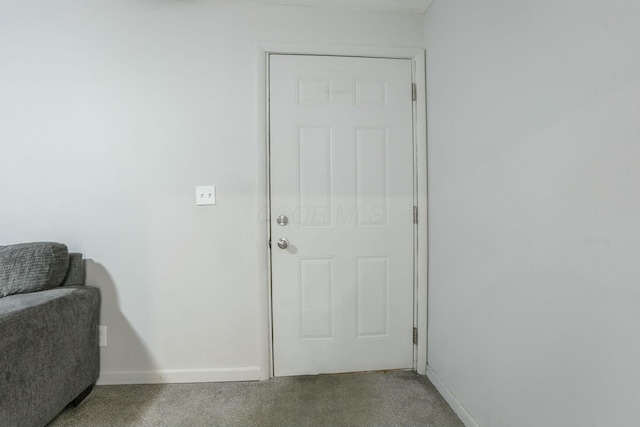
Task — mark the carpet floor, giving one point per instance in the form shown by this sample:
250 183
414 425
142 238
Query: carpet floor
367 399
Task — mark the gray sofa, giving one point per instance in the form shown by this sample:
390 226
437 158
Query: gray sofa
48 333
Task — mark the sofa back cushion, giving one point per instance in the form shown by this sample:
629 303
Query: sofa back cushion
31 267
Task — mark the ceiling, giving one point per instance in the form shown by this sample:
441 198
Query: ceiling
408 6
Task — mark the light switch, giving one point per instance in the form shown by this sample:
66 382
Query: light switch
205 195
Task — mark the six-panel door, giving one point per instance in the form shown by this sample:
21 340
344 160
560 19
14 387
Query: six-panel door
341 172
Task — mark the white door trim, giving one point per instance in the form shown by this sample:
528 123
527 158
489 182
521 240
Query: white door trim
417 56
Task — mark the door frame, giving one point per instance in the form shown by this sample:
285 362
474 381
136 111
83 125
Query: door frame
417 57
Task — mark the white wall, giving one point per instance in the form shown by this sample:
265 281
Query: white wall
534 192
110 114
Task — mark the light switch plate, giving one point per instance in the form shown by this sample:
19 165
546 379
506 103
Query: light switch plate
205 195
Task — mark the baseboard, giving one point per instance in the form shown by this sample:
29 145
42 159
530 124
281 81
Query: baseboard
451 399
177 376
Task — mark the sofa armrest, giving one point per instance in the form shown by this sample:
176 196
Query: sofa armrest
48 352
75 273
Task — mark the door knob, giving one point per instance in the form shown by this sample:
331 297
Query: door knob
283 243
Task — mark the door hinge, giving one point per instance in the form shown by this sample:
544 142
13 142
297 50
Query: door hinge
415 214
415 335
414 91
269 243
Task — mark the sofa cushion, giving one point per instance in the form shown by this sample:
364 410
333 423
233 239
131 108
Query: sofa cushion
31 267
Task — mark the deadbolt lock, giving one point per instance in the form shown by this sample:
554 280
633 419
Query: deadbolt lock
282 220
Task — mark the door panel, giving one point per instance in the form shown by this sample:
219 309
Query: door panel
341 153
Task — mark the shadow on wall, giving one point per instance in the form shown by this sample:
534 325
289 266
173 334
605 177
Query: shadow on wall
124 345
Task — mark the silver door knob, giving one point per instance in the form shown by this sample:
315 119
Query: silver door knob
283 243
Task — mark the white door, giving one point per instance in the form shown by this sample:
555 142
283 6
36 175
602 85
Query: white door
341 172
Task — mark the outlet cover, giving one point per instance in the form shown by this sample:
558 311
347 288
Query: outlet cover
205 195
102 336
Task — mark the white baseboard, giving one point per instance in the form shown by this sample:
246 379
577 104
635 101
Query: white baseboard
177 376
451 399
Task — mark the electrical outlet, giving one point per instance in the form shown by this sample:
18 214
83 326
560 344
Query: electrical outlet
102 336
205 195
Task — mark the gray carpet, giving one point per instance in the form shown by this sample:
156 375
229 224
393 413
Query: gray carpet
368 399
